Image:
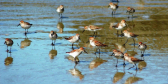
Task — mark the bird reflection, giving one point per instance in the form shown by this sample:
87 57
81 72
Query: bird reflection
118 75
8 60
133 79
26 42
76 72
120 46
96 62
53 52
142 65
72 58
131 52
60 25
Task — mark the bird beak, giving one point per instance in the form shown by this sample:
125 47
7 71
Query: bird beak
122 57
83 31
112 54
85 51
108 5
18 25
127 11
5 42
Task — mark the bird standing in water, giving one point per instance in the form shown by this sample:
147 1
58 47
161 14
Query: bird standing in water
8 42
53 37
60 10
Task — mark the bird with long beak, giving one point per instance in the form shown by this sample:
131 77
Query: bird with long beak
130 11
118 54
132 60
73 39
75 53
113 6
8 42
60 10
96 43
92 28
53 37
25 25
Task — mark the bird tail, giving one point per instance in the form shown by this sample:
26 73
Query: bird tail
66 38
67 52
105 45
114 26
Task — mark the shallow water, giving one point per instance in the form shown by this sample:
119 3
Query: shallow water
33 60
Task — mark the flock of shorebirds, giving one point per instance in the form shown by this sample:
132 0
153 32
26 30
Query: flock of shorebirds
93 42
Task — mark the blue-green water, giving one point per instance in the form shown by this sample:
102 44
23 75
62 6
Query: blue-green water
32 62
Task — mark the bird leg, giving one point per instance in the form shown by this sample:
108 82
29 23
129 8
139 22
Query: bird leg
126 41
25 32
117 62
52 43
99 51
141 54
136 67
95 52
112 13
134 42
72 47
93 34
10 50
131 67
124 63
7 49
75 60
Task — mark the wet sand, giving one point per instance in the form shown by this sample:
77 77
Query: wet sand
33 60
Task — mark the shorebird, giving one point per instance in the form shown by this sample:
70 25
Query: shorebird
120 25
92 28
130 11
60 10
132 60
75 53
8 42
129 35
113 6
25 25
53 37
118 54
96 43
142 47
73 39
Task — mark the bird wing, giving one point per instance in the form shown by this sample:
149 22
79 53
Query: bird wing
116 5
69 38
133 35
28 23
97 43
116 26
135 59
72 51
